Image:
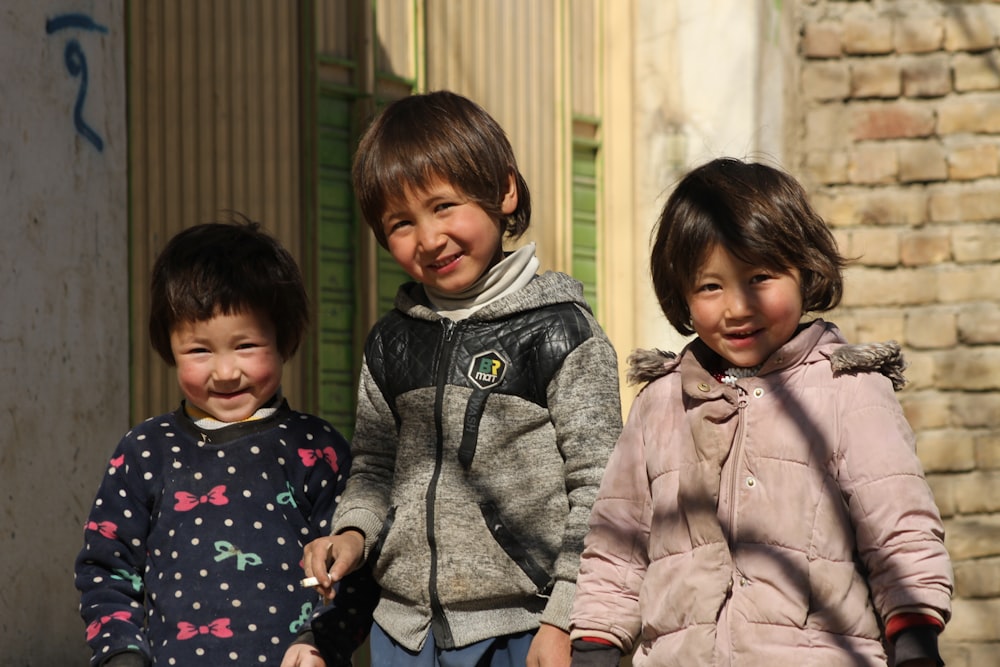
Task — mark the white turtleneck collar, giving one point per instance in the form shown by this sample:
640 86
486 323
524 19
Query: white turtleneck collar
507 276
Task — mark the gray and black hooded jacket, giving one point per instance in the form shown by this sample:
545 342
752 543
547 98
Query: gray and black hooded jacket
478 451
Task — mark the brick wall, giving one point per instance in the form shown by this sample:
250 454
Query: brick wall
899 142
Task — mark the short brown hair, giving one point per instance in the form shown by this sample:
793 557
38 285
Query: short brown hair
442 135
759 214
225 268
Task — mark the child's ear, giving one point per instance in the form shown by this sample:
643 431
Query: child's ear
509 202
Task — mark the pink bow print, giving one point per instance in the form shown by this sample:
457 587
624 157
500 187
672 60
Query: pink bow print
218 628
117 461
105 528
188 501
95 627
311 456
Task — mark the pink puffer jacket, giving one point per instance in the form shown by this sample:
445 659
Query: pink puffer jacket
772 523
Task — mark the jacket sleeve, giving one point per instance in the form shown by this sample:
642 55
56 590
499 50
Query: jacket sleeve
339 628
585 407
109 568
615 555
899 531
365 501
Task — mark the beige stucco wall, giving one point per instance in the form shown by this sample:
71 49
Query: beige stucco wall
63 322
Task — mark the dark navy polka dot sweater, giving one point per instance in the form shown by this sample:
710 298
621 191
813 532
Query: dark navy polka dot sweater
192 551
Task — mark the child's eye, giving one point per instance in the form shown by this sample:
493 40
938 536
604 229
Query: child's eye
760 277
707 287
443 206
396 225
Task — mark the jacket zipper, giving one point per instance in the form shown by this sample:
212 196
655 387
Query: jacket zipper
442 631
741 405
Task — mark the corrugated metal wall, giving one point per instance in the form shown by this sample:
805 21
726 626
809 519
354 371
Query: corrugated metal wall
213 90
506 55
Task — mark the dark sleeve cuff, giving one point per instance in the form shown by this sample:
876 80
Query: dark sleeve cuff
915 643
126 659
592 654
306 637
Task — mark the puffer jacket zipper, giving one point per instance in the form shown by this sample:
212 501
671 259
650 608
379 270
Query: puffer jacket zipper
439 624
735 456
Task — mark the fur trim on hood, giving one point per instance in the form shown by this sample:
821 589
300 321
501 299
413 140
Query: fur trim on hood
885 358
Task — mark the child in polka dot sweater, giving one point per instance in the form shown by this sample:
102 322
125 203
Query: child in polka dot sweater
192 549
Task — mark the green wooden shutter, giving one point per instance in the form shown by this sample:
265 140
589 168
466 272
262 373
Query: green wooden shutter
336 266
584 249
390 277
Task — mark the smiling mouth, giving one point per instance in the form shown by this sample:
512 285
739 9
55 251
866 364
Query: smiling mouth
228 394
441 263
742 334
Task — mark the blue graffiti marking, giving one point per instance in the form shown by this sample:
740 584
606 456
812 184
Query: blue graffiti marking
76 63
81 21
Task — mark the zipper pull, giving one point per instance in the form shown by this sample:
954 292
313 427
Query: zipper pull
449 328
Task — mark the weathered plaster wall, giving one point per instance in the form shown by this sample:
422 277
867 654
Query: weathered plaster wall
699 96
64 349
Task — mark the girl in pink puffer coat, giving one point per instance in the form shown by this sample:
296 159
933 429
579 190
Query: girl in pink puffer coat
764 505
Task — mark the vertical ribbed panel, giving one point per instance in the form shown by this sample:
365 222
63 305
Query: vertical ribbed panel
504 56
585 53
213 127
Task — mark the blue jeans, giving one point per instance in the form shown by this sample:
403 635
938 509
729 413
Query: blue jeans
506 651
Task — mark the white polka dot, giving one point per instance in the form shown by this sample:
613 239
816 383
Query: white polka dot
195 541
229 523
221 454
203 572
237 603
232 470
224 586
196 605
197 475
258 525
255 450
148 476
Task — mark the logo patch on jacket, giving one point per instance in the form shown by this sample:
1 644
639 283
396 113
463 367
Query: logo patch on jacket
487 369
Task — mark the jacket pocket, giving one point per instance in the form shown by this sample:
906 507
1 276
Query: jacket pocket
538 575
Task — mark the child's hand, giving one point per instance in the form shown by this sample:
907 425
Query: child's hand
549 648
330 559
302 655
